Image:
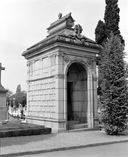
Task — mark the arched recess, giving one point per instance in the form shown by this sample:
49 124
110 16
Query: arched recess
76 95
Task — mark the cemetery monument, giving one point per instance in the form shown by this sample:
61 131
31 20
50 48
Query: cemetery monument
62 79
3 91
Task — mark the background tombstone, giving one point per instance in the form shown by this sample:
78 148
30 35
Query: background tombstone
3 91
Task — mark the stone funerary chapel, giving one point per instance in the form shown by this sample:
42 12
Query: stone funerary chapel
62 81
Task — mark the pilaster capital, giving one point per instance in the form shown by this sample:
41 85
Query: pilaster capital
91 60
66 59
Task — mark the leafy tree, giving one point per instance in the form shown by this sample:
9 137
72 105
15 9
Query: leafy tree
8 95
114 87
18 98
18 89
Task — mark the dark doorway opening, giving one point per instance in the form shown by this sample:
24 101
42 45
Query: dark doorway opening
76 96
69 100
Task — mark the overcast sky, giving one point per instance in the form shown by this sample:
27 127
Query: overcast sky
24 22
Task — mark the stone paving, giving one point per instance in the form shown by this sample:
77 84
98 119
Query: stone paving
15 146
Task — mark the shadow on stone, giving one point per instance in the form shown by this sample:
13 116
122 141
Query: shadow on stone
11 129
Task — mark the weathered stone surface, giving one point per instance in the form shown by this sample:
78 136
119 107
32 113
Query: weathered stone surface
62 23
62 31
3 91
22 129
64 56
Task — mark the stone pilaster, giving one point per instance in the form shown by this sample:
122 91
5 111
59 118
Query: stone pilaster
60 94
95 80
90 99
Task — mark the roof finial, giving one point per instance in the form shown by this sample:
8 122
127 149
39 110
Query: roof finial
59 15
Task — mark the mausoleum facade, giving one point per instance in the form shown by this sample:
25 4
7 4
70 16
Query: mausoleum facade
62 80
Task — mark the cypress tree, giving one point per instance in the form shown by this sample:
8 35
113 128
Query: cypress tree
103 30
110 24
114 87
100 32
112 18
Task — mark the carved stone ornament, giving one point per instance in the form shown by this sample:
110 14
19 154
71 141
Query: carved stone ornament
78 36
78 30
59 15
66 59
70 58
90 61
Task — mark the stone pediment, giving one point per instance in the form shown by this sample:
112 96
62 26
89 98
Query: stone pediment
62 31
62 23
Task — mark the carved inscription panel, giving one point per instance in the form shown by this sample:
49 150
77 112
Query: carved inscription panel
42 67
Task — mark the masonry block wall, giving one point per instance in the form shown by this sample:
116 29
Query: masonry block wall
64 57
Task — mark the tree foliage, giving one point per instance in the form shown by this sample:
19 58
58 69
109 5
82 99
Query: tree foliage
8 95
114 87
18 89
110 24
105 28
100 32
20 97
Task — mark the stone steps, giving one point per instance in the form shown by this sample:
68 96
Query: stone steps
76 125
18 129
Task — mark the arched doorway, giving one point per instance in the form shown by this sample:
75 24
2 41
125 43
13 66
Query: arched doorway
76 96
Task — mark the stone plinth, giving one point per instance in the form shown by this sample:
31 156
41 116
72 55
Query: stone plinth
3 108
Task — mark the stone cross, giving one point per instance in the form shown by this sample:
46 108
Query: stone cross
1 68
